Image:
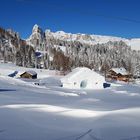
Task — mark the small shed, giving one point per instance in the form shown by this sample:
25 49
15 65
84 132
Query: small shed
119 74
81 78
29 74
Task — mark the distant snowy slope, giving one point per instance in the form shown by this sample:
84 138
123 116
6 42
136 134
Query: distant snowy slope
135 44
96 39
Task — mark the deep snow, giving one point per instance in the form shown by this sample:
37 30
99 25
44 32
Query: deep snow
31 112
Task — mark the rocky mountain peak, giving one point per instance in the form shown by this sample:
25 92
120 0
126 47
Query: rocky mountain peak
37 29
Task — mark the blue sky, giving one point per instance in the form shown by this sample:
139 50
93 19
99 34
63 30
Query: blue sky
103 17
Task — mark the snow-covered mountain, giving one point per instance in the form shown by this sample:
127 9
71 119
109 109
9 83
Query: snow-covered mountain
95 39
14 49
62 51
82 38
93 51
9 44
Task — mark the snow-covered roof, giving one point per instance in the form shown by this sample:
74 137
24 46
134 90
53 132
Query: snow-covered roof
31 72
120 70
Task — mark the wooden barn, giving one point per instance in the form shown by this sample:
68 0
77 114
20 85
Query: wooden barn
29 74
119 74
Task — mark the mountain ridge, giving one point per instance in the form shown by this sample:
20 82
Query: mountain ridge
91 39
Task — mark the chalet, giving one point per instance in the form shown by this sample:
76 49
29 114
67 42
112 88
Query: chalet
29 74
119 74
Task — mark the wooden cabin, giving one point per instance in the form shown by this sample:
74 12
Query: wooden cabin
119 74
29 74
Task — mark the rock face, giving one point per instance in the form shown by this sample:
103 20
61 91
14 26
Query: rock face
62 51
8 45
37 37
14 49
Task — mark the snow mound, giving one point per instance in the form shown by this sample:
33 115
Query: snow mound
83 77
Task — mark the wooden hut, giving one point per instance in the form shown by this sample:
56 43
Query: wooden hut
119 74
29 74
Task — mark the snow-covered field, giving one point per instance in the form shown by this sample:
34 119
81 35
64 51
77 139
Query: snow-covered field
31 112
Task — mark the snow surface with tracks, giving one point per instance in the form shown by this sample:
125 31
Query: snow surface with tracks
31 112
